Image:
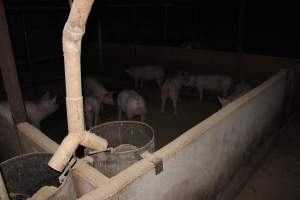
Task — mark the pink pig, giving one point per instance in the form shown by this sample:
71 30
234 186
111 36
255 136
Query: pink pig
36 110
171 89
91 111
92 87
132 104
211 82
147 72
239 90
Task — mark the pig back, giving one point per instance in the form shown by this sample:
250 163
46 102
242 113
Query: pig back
214 82
91 87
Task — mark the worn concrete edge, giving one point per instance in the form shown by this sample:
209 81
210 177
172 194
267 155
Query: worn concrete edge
124 178
38 137
90 174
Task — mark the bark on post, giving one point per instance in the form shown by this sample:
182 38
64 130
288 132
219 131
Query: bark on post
3 191
72 36
9 71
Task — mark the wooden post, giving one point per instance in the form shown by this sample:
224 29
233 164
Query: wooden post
72 37
9 71
28 54
100 43
241 26
134 30
166 24
195 28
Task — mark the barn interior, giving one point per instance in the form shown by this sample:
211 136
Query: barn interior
247 41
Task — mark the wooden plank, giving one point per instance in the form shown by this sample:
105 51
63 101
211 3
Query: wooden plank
9 71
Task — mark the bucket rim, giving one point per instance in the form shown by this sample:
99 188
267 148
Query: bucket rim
149 143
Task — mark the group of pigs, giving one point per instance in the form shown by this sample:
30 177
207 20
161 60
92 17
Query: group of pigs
134 105
129 101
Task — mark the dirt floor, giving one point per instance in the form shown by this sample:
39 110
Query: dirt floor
278 178
167 126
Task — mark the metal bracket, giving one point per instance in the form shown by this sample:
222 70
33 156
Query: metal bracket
157 162
159 165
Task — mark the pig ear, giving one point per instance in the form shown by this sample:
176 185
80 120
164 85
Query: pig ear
221 100
46 96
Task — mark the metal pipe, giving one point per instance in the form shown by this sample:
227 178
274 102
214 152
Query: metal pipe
9 71
72 36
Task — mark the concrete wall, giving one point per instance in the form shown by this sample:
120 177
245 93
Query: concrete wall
255 66
202 162
22 139
9 145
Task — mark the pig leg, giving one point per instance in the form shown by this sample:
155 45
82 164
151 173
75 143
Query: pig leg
174 99
89 120
200 93
163 102
175 106
96 117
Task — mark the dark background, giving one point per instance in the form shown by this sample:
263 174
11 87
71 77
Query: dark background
270 28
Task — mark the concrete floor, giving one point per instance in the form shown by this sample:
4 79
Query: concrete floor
278 178
167 126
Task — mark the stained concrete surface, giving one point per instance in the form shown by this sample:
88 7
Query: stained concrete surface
278 178
167 126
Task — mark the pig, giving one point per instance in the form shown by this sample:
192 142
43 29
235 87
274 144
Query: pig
36 110
171 89
92 87
130 102
147 72
211 82
239 90
91 111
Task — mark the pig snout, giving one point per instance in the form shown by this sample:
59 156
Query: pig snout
132 104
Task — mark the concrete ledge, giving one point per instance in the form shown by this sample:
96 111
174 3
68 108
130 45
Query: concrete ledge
33 140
